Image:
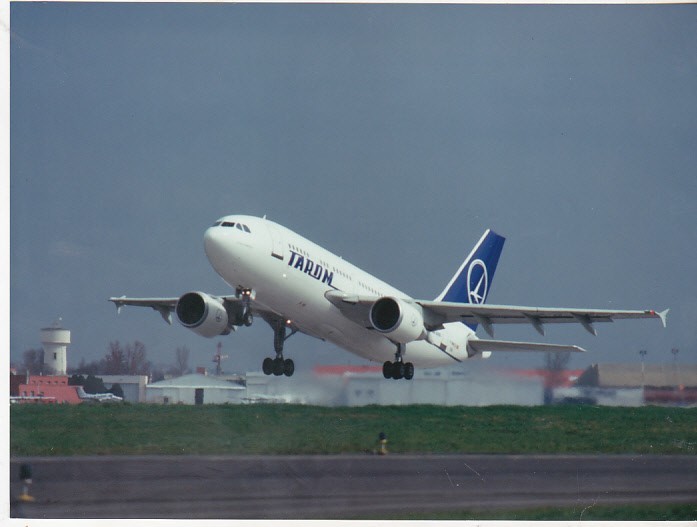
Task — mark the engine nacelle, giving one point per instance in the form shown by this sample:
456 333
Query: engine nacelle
203 314
399 320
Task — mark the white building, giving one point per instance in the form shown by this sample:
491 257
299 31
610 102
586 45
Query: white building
133 386
195 388
448 387
443 387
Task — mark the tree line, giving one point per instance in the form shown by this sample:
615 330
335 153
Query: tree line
128 359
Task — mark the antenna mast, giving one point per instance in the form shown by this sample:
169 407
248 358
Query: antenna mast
217 358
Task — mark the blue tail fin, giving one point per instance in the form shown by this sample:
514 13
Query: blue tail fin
471 283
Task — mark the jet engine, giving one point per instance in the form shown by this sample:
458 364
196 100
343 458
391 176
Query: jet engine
203 314
400 321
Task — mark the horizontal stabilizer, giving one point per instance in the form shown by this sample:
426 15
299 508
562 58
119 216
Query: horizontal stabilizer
476 346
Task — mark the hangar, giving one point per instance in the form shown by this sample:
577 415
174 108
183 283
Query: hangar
195 388
133 386
636 375
633 385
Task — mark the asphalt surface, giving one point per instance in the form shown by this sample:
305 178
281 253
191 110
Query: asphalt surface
335 487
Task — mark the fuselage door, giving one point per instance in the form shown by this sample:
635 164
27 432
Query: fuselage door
276 242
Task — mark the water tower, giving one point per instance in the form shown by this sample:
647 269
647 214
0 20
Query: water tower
55 341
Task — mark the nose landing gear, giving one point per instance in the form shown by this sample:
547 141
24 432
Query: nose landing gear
246 317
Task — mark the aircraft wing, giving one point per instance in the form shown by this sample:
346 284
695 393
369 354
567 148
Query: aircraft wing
488 315
164 306
357 308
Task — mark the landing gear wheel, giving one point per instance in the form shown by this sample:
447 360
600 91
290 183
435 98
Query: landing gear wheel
288 367
397 370
387 370
267 366
248 319
278 367
408 371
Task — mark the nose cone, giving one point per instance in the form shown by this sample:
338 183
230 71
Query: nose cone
213 244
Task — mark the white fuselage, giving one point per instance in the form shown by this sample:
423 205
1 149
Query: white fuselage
290 276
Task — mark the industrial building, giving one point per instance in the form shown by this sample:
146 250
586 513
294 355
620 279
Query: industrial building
443 387
47 389
478 385
353 386
633 385
197 389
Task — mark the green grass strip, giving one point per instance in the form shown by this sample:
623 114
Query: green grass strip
38 430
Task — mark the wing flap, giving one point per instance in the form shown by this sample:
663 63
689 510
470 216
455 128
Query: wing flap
475 346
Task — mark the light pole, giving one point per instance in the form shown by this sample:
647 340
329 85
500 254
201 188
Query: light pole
643 372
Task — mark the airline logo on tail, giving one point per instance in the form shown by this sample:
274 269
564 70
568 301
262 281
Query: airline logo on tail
477 282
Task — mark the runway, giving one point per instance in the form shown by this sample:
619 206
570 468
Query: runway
341 487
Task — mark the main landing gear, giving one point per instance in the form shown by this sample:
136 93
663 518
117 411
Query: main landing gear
398 369
279 366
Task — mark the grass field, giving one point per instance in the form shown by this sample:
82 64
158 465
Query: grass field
39 430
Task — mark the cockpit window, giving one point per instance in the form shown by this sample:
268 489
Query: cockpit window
240 226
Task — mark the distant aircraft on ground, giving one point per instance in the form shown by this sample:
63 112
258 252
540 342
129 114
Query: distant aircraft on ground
92 397
98 397
296 285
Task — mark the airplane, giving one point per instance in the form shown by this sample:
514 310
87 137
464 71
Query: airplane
297 286
97 397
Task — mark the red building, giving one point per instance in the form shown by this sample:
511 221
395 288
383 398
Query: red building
15 382
48 389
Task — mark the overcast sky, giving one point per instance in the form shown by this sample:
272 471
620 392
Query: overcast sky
393 135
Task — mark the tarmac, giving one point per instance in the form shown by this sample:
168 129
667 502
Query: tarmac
341 487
